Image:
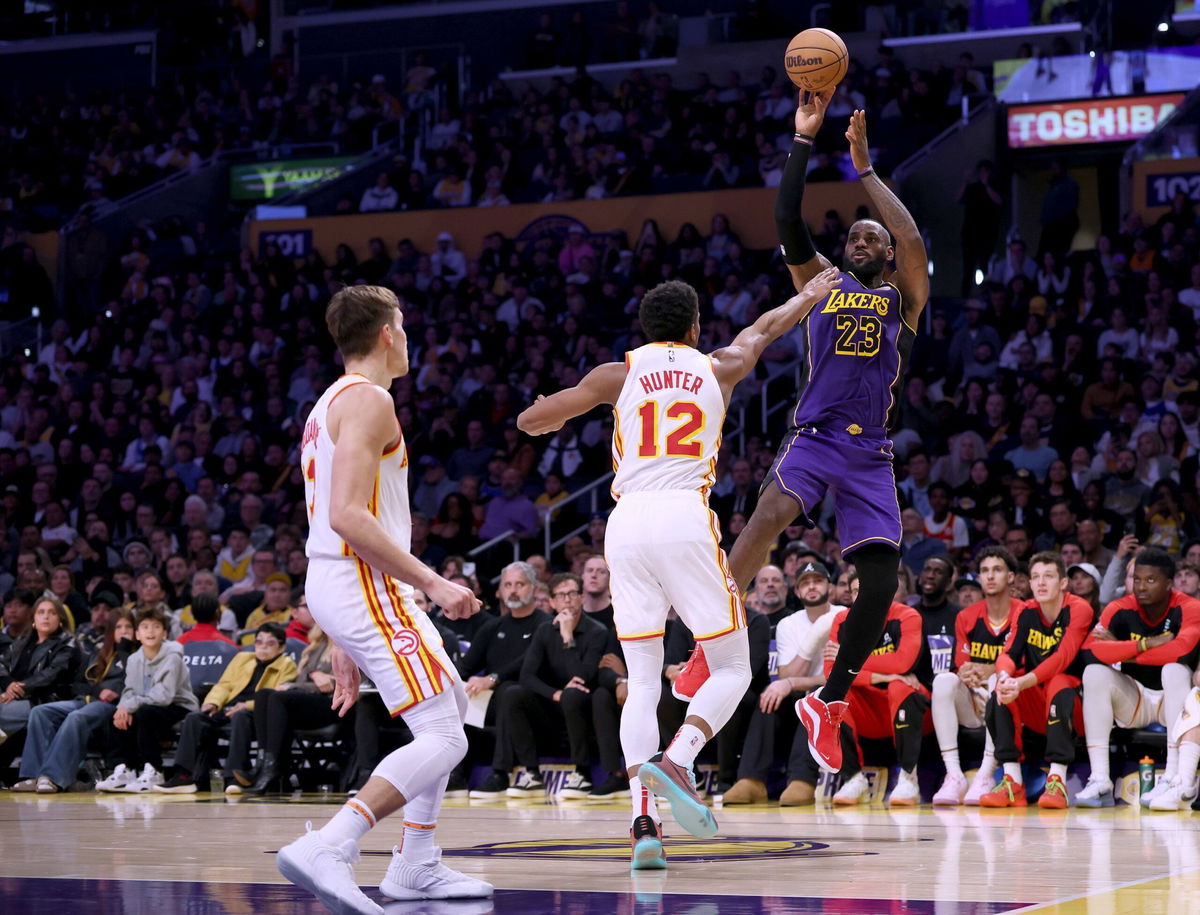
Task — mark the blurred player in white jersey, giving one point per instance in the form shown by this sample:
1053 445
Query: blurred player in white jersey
360 582
663 542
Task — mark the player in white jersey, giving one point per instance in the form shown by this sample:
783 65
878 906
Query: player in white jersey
359 588
663 542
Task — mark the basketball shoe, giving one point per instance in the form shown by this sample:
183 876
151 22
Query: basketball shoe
691 676
852 791
907 792
1006 794
952 792
675 783
645 837
981 784
430 880
1096 794
1055 795
121 776
326 871
823 722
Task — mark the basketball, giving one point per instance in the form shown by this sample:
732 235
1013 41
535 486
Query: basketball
816 59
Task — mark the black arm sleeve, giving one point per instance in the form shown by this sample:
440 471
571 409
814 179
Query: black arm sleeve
793 233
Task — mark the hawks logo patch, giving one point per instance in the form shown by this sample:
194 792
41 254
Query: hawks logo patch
406 642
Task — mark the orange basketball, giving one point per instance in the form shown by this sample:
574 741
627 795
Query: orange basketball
816 59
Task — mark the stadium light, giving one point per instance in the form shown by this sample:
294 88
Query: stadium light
978 277
931 266
1162 26
35 312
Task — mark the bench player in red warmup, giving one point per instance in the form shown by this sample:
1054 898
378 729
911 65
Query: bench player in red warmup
1037 684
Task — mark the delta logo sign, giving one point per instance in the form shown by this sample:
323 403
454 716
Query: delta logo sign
1102 120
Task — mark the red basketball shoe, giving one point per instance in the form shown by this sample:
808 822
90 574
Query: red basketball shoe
692 676
823 721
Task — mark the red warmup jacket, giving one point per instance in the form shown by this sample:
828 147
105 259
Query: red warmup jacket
898 649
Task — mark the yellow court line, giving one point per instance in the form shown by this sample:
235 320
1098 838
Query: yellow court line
1164 895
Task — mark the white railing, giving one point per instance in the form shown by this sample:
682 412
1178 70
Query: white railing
591 489
901 171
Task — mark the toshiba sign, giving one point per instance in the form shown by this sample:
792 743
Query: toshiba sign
1105 120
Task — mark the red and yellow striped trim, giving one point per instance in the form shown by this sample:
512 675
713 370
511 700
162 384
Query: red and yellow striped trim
737 610
375 606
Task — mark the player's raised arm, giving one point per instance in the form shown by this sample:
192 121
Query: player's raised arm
602 385
366 424
801 257
735 361
912 266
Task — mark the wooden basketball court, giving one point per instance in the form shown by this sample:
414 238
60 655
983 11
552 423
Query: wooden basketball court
203 853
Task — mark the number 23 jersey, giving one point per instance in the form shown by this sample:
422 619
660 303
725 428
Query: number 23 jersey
668 420
858 346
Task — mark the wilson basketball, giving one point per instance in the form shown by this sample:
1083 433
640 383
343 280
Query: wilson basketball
816 59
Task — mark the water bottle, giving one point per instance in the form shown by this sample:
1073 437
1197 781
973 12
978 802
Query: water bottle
1145 775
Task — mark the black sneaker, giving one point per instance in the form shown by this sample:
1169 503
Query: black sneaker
456 786
528 784
179 783
493 787
612 788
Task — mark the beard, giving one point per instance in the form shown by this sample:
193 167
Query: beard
514 603
864 270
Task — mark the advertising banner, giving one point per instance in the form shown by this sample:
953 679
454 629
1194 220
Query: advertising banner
1103 120
267 180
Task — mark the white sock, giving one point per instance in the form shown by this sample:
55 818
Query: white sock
1059 769
1172 767
987 768
417 845
1189 758
644 803
352 822
1013 771
1099 760
688 742
953 766
420 821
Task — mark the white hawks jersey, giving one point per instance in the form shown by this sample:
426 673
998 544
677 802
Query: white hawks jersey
389 496
668 424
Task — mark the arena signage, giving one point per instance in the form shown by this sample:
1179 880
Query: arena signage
267 180
1104 120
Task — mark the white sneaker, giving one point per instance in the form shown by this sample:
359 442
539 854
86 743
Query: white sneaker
326 871
981 784
576 786
952 791
1096 793
1174 795
907 792
1159 786
852 792
121 776
144 783
431 880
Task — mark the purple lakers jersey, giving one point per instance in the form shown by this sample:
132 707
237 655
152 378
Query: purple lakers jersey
858 346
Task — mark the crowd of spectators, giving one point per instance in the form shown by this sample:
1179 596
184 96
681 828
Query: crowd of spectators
579 141
149 448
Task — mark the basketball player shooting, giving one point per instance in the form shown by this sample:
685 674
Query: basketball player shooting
859 339
663 542
361 576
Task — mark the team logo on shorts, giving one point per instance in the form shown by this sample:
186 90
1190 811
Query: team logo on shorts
406 642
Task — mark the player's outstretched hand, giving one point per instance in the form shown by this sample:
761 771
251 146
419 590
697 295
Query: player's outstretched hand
818 287
810 113
856 133
456 601
346 680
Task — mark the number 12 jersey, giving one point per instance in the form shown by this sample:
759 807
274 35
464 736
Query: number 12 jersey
668 420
